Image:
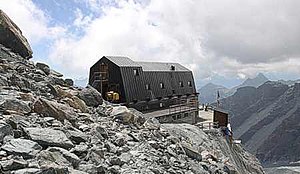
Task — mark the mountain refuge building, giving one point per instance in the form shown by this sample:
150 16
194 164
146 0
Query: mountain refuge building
146 86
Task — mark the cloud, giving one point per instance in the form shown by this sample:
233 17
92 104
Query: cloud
227 38
33 22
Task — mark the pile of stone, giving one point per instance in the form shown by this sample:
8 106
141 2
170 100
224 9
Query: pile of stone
49 126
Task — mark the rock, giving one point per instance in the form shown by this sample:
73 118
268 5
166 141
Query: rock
13 164
90 96
13 104
55 73
76 103
69 82
45 68
192 153
11 37
49 137
152 124
5 129
27 171
91 168
116 161
47 159
23 147
72 158
53 109
122 114
77 136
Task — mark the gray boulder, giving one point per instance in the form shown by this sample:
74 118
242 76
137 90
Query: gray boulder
44 67
5 129
13 104
13 164
49 137
90 96
23 147
72 158
11 37
27 171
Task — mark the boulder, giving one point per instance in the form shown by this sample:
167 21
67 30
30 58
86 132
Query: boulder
15 105
77 136
53 109
69 82
27 171
90 96
5 129
44 67
11 37
152 124
49 137
23 147
72 158
122 114
13 164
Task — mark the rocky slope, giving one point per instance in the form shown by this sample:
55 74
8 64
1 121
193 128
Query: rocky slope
48 126
267 120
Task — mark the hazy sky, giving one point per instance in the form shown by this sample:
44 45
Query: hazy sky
223 41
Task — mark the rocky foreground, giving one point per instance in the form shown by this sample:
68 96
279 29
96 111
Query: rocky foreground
49 126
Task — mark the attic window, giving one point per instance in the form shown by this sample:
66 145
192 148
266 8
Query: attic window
148 86
189 83
135 72
172 67
162 85
181 84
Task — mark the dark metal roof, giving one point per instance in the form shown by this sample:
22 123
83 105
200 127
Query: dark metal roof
146 66
160 66
122 61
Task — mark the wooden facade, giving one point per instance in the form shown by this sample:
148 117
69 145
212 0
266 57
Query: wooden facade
143 85
220 117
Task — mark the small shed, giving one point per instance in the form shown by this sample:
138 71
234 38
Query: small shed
221 117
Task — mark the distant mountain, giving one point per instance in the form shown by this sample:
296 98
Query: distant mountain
267 121
289 82
208 93
254 82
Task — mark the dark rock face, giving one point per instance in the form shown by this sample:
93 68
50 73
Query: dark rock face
266 118
11 37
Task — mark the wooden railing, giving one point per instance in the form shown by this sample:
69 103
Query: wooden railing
207 125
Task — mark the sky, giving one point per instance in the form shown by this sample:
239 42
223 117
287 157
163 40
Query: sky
224 42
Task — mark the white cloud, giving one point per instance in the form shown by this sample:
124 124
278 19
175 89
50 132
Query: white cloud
228 38
33 22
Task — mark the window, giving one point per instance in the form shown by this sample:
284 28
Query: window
186 114
189 83
181 84
162 85
179 116
148 86
172 68
160 105
135 72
